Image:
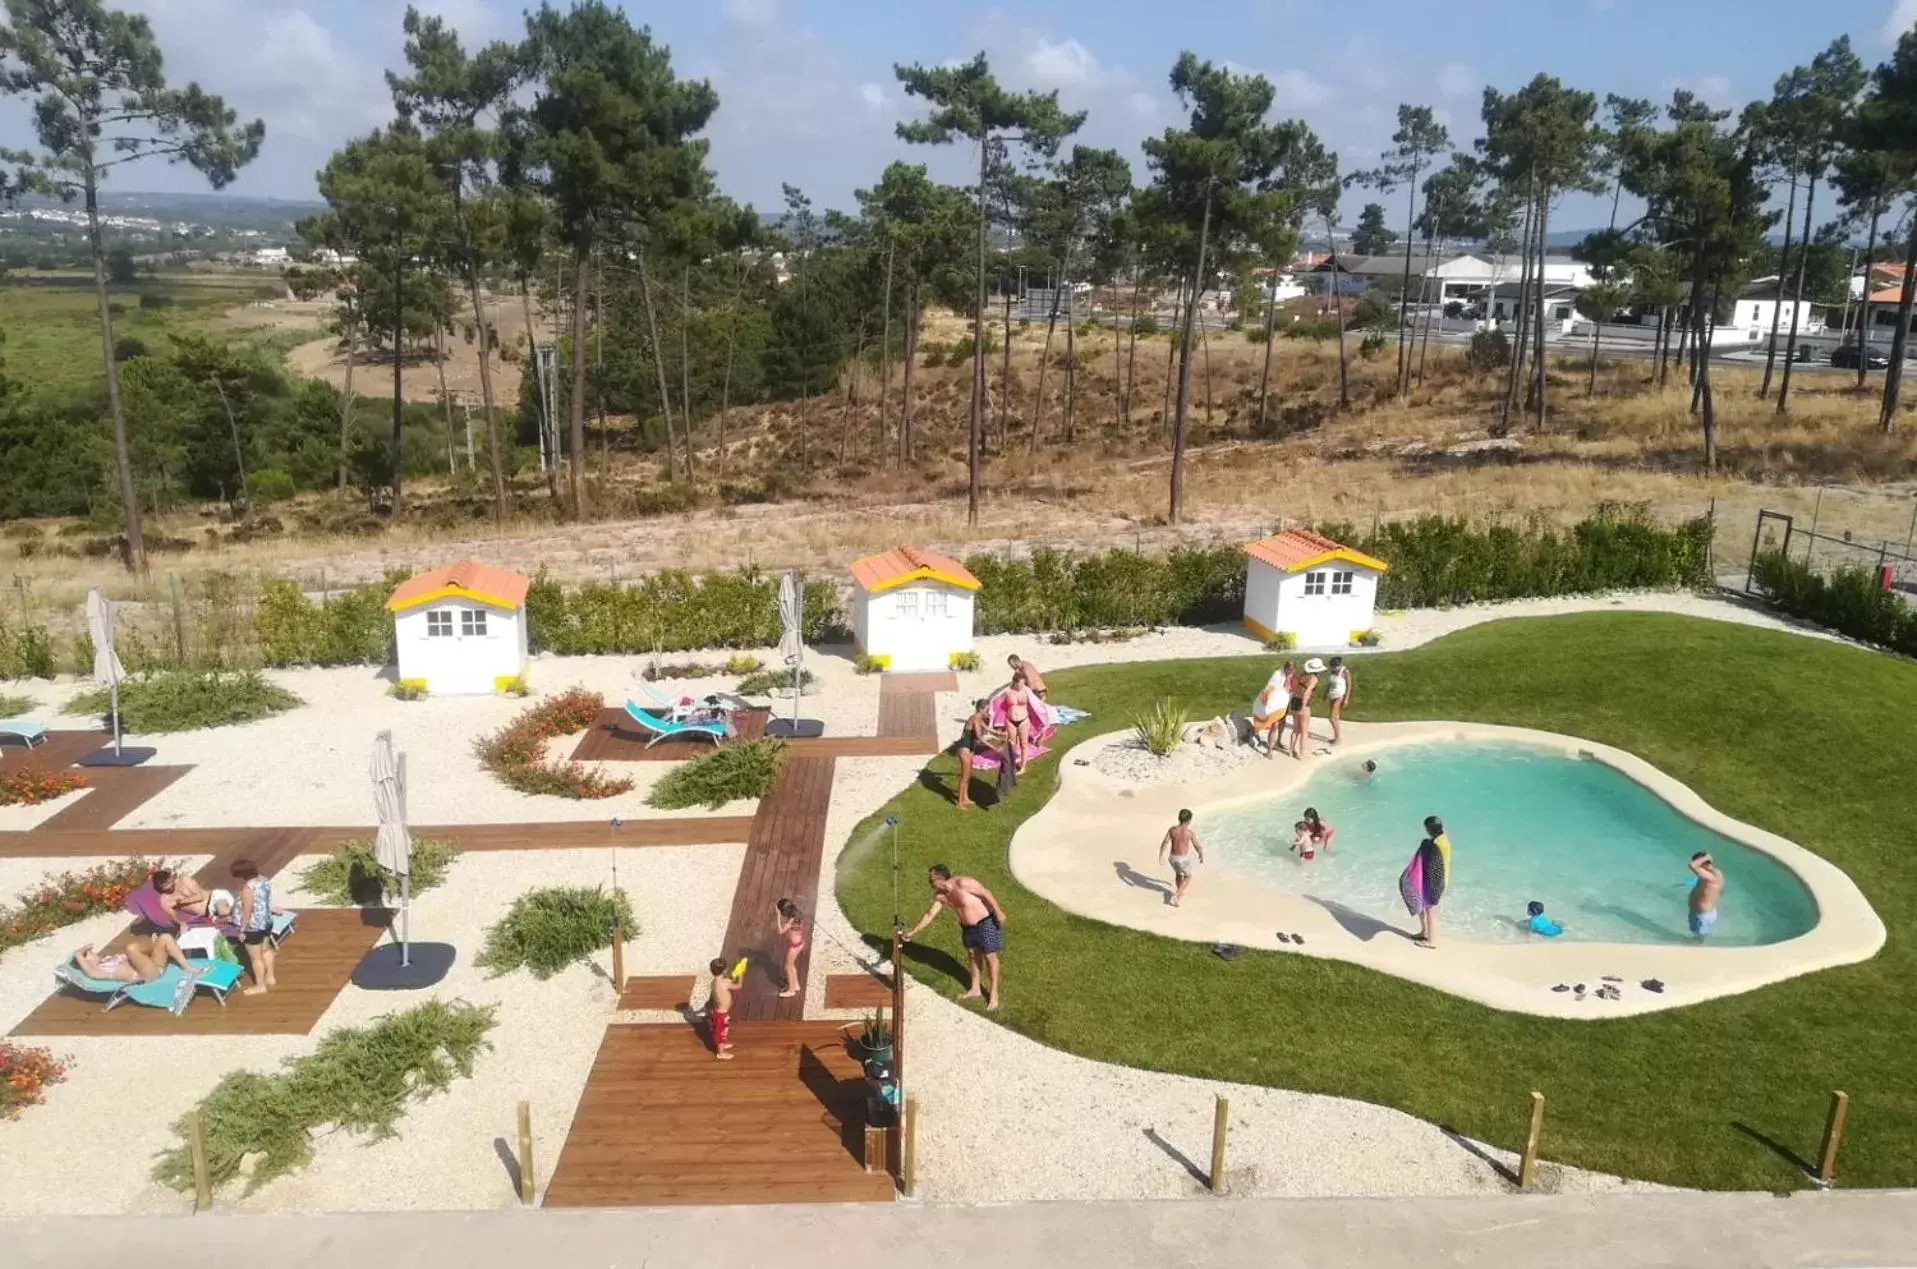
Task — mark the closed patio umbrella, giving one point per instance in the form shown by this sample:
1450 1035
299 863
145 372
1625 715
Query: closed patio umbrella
792 649
108 672
392 844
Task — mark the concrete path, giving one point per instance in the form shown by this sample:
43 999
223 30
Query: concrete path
1744 1231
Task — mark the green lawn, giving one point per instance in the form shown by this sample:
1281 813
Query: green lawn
1716 1095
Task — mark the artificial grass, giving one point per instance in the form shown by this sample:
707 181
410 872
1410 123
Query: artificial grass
1806 738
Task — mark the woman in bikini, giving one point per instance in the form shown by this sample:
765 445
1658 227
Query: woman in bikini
1303 684
792 931
977 735
1018 719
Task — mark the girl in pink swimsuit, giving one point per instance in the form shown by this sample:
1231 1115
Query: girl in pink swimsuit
792 931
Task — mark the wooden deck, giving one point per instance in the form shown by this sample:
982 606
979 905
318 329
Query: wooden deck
858 991
113 793
781 862
615 738
314 964
668 991
910 684
62 749
661 1122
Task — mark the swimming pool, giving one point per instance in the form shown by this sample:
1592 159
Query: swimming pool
1605 855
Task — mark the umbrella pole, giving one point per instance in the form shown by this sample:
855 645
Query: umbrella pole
113 690
405 919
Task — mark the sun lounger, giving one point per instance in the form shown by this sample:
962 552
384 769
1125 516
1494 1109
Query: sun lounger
282 927
32 735
715 730
172 991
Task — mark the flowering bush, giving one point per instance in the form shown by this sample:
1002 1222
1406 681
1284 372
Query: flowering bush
516 753
29 786
69 897
24 1076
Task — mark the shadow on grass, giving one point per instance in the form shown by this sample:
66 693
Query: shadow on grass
983 795
1776 1147
928 958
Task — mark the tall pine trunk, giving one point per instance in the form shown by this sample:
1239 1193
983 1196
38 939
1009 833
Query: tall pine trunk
1271 335
658 361
445 395
1338 307
540 394
1777 309
732 344
1543 362
906 439
1404 287
1184 365
399 364
1899 343
483 334
975 437
1430 318
1044 363
1171 355
576 464
1515 367
685 361
346 404
1131 355
122 450
1863 320
1071 368
1797 292
1005 376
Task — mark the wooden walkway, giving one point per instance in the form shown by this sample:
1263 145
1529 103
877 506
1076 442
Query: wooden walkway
615 738
662 1122
858 991
781 862
62 749
113 793
666 991
314 964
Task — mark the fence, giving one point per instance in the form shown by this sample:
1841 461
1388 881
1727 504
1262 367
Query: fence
1826 553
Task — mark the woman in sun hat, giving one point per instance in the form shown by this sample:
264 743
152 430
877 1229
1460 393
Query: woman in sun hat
1302 686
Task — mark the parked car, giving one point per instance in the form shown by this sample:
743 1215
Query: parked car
1845 357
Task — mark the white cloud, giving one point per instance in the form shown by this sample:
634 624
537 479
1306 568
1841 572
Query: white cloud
1712 90
1143 104
872 95
1455 79
751 12
1298 90
1062 64
1902 17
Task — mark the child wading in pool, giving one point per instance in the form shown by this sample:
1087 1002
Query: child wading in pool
1311 835
1181 845
1705 893
1537 923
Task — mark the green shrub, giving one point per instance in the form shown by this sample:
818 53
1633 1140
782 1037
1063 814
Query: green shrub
1281 641
866 663
1367 638
549 929
1161 729
26 652
187 700
270 485
1314 329
515 686
14 706
774 682
673 611
350 875
967 662
1490 350
351 628
743 769
359 1079
408 690
1851 601
1146 326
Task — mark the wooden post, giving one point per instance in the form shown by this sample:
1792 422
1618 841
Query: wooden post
1528 1165
909 1155
874 1150
618 964
1833 1136
1218 1118
202 1173
526 1185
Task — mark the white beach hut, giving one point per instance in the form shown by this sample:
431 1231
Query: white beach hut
461 629
911 609
1300 583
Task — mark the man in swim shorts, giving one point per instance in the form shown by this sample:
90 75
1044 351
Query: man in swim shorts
1704 895
981 926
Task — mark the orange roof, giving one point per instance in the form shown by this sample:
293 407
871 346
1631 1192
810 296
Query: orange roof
1296 550
1890 295
909 564
467 579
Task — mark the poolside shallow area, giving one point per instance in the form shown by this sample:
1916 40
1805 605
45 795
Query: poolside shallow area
1094 851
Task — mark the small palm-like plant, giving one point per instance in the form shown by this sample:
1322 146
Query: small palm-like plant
1161 729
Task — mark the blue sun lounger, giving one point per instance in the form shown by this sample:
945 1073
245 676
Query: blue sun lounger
713 729
172 991
32 735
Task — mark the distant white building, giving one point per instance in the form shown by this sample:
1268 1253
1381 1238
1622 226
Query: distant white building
1762 302
1320 592
911 609
267 258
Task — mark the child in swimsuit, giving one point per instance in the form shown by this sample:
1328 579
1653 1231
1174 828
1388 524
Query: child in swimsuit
792 931
719 1010
1303 844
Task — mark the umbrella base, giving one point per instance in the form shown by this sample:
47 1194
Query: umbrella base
380 970
125 756
794 729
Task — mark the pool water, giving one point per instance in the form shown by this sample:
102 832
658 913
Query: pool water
1606 856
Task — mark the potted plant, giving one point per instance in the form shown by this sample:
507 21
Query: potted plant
873 1038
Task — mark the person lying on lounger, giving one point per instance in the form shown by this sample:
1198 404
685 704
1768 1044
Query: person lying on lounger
142 962
180 895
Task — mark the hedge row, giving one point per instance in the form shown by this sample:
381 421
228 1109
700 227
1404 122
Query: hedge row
1434 562
673 611
1851 601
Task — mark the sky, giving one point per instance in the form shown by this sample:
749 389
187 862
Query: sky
808 95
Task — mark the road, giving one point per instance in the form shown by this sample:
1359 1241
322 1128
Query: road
1616 1231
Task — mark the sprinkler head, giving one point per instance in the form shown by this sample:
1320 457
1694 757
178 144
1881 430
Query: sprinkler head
891 821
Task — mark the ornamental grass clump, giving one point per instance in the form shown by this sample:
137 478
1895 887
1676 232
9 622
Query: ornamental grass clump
350 875
1160 729
516 753
742 769
549 929
188 700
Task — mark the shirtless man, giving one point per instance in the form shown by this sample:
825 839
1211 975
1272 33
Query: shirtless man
1181 845
1033 679
981 925
180 895
1704 895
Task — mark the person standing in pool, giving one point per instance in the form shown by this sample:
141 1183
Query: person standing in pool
1422 884
1182 847
981 926
1705 893
1299 706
